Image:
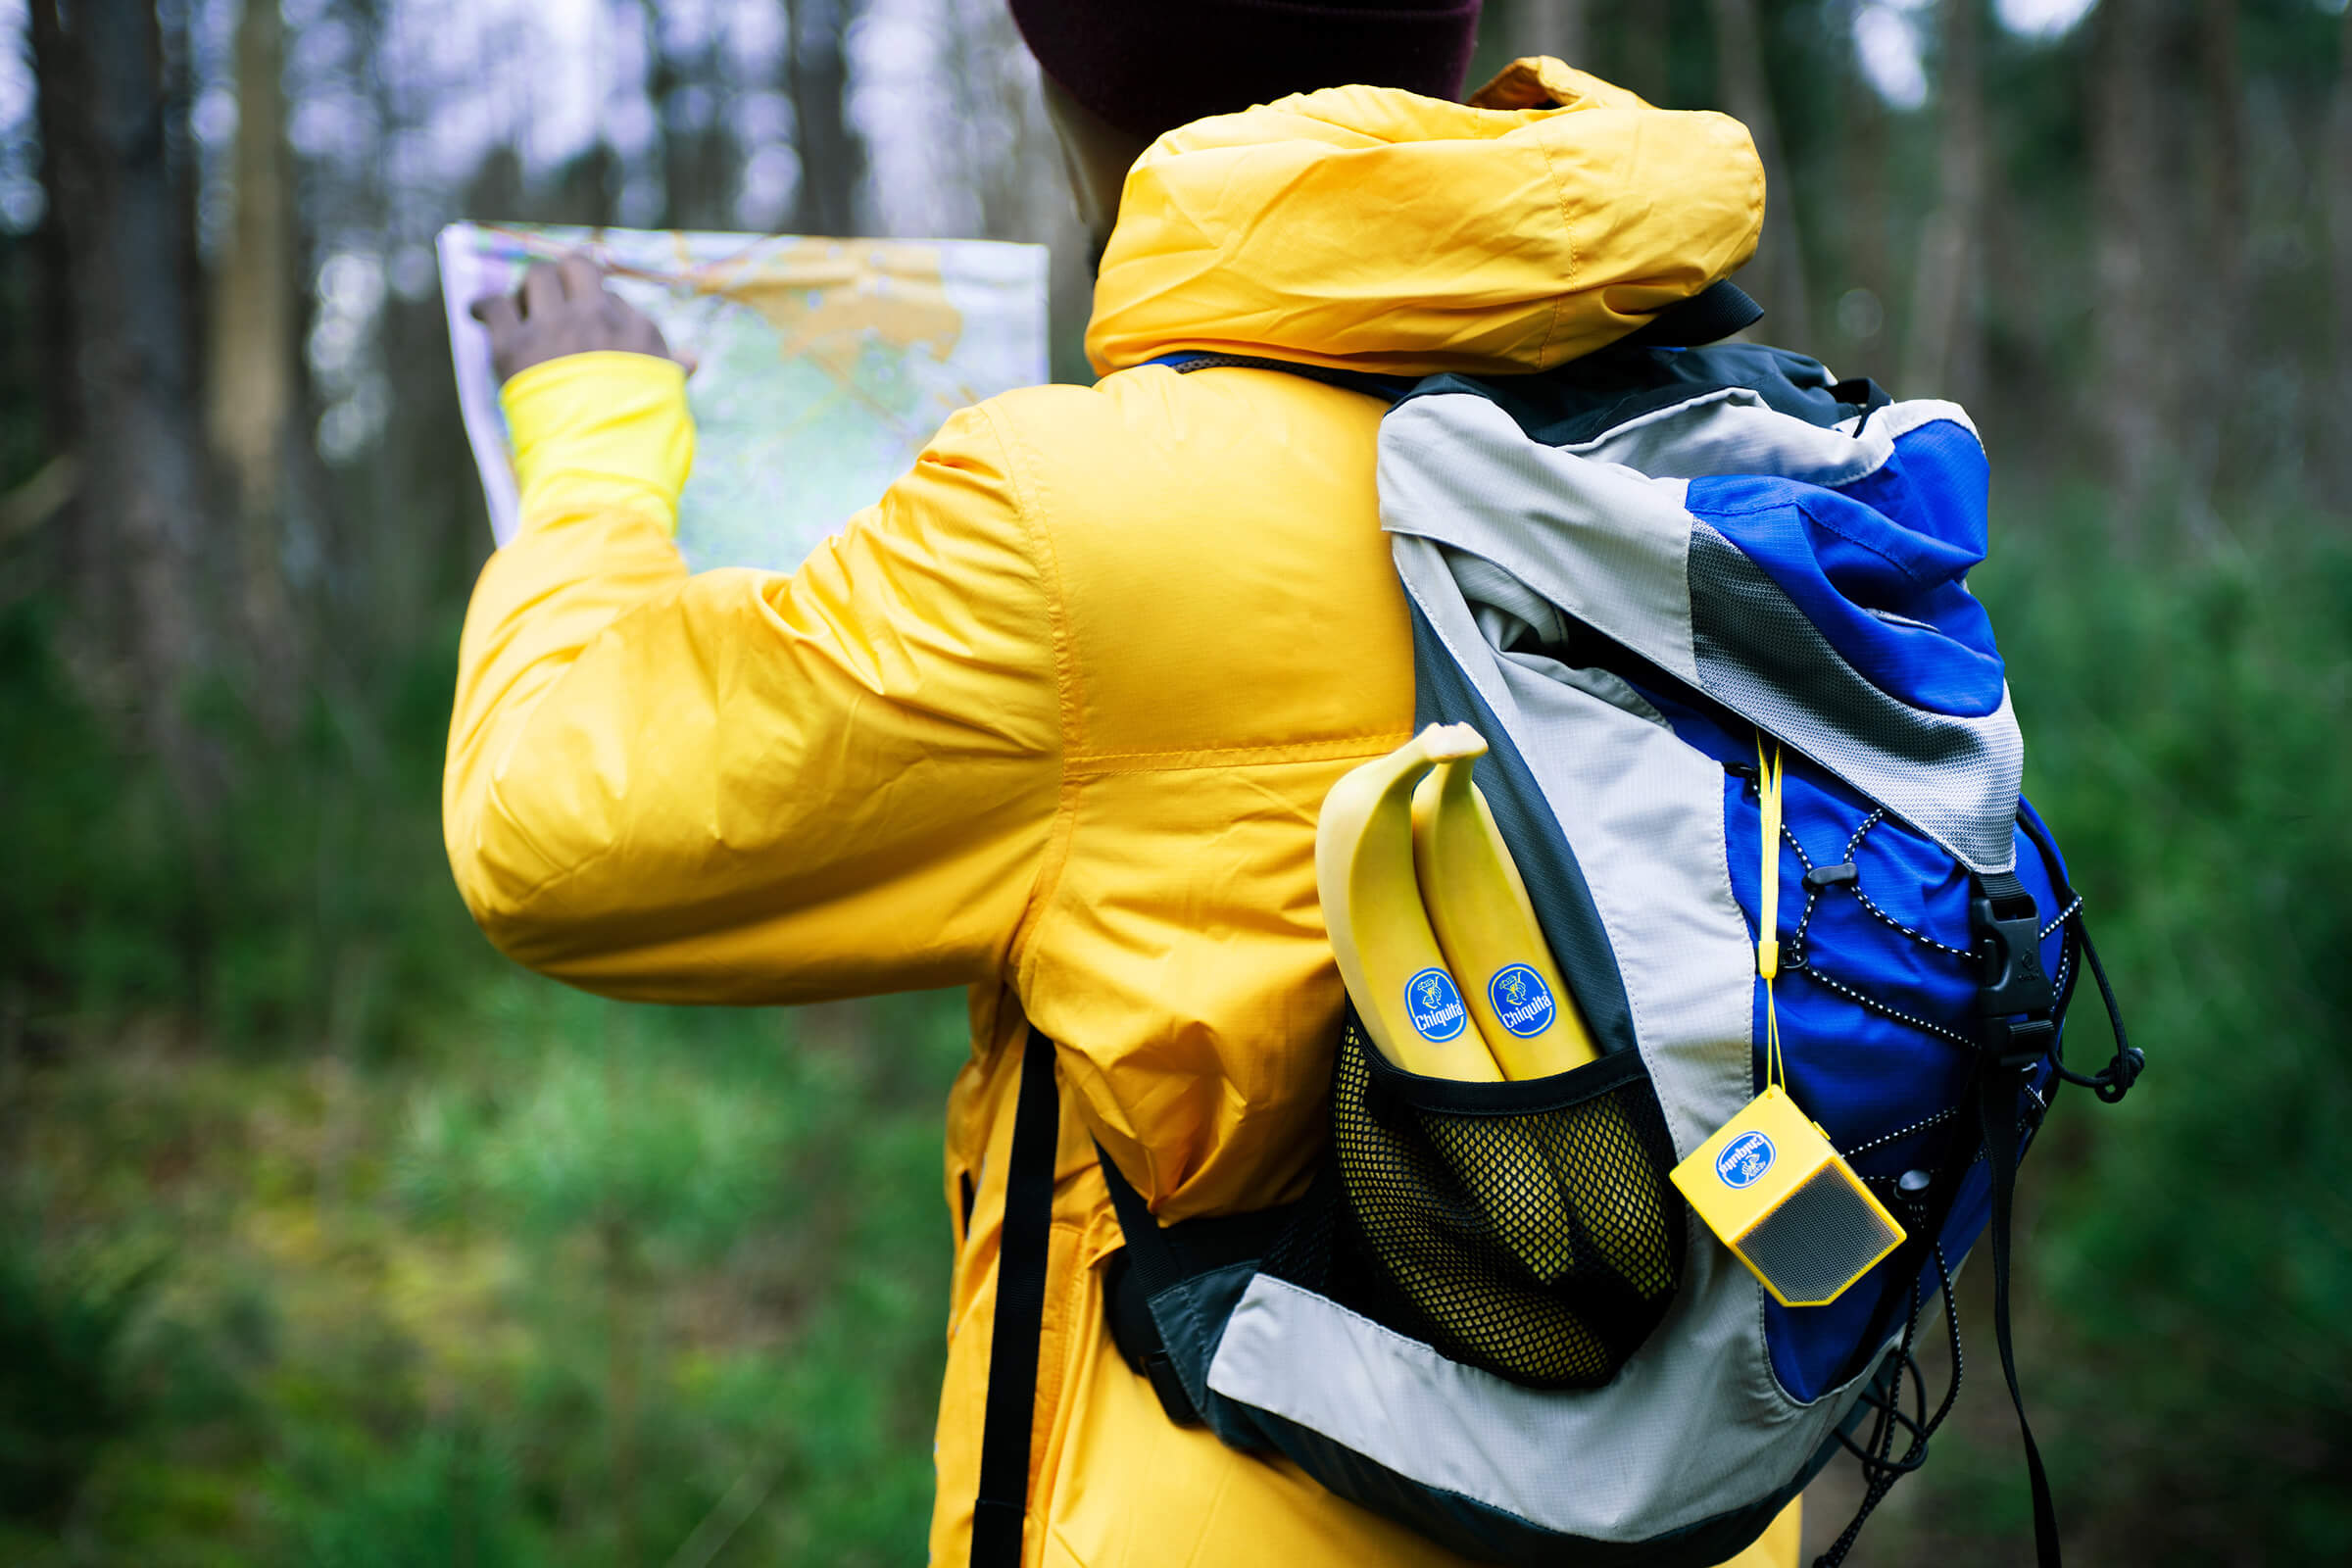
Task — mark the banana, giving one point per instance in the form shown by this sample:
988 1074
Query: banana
1388 954
1486 927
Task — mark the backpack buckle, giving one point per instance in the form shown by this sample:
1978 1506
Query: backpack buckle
2010 979
2007 930
2018 1042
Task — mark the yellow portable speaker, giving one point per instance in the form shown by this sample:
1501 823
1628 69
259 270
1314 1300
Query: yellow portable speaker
1770 1184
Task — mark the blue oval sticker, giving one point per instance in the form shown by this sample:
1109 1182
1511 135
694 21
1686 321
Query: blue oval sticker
1744 1158
1521 999
1435 1005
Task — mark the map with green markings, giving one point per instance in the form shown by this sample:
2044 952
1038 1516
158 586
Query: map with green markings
822 366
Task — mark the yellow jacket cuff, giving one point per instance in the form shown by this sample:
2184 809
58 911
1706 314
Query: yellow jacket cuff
607 420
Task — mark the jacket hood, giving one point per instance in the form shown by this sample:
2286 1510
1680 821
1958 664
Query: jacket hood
1375 229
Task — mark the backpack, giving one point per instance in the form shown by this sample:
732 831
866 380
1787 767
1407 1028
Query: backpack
1492 1317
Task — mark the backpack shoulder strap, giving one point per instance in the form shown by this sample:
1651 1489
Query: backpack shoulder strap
1002 1507
1387 388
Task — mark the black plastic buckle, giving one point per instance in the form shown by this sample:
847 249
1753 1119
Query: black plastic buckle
2014 994
2018 1042
1137 1334
2010 977
1161 1370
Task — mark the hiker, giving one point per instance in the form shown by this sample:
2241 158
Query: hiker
1054 718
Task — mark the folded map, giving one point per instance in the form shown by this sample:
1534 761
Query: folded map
822 365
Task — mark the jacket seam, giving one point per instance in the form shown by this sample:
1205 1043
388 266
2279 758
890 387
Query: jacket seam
1193 759
1568 274
1030 507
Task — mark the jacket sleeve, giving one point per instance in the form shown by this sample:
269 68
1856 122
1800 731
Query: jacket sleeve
743 786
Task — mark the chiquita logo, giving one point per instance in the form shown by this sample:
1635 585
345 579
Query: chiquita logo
1744 1160
1436 1007
1522 1000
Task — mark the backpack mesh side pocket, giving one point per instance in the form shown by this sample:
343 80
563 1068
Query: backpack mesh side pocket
1525 1228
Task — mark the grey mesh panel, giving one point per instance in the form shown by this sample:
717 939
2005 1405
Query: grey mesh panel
1955 779
1818 1239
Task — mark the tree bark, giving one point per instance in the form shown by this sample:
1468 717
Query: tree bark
1778 274
2339 196
1865 308
1554 27
697 172
144 551
1945 353
1646 41
817 75
2223 319
57 70
250 392
2134 143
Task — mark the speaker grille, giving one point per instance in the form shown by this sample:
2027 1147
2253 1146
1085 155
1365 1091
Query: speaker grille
1813 1245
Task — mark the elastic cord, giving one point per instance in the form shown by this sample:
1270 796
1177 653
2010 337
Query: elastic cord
1768 920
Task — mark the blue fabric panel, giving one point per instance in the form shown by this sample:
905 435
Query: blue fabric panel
1859 1074
1880 565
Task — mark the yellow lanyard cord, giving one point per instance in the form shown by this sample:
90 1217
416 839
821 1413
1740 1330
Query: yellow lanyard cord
1768 922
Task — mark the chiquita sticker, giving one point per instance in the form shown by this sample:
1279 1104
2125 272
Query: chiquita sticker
1744 1160
1521 999
1436 1006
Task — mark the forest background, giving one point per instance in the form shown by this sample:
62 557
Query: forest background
326 1238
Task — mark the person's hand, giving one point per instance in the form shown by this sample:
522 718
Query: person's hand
563 308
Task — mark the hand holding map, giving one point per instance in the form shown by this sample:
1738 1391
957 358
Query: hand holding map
823 366
563 308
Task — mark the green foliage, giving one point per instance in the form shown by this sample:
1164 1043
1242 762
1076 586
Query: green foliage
68 1390
319 887
567 1281
446 1498
610 1125
2187 715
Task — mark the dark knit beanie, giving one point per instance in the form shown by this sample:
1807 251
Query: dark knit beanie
1149 65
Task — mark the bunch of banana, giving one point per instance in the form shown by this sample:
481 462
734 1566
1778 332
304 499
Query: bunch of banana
1418 889
1430 921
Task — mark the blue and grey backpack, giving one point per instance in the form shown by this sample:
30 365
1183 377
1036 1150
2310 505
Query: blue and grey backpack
1625 575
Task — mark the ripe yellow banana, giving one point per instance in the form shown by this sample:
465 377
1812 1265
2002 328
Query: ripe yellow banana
1486 927
1410 1003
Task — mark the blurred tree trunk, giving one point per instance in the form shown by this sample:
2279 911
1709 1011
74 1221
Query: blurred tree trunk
2222 315
1944 354
697 172
52 321
818 76
143 548
1649 46
251 373
2135 144
1554 27
1864 304
2338 193
1778 275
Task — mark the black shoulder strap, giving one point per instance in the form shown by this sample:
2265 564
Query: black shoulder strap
1387 388
1013 1333
2014 998
1709 315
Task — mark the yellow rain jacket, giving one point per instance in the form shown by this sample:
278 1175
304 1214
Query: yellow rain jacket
1054 718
